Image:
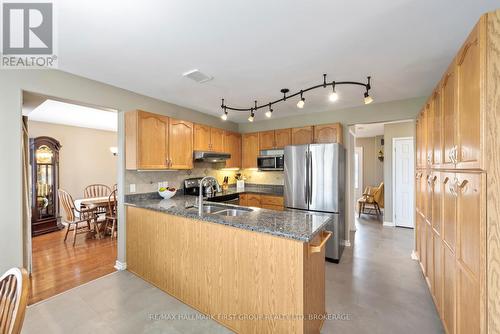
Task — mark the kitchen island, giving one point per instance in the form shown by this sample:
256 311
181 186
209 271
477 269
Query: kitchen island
261 271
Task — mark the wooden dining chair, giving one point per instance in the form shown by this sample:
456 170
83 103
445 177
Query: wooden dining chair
85 216
96 190
13 299
111 217
371 201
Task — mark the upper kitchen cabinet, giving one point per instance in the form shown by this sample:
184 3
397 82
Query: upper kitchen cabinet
302 136
275 139
250 149
449 118
207 138
232 145
437 128
328 133
154 141
283 137
267 140
429 112
146 140
468 68
180 144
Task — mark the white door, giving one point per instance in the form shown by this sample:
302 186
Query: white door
358 174
403 198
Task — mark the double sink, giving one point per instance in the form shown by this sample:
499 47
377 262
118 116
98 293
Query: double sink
223 210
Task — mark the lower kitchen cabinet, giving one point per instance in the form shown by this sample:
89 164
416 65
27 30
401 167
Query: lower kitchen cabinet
270 202
449 274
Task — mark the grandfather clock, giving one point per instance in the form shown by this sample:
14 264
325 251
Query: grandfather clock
44 161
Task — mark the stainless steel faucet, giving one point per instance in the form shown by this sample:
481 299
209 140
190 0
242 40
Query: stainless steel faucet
200 196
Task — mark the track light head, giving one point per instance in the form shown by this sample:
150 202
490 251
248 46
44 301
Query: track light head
224 116
269 113
333 96
301 102
368 98
252 116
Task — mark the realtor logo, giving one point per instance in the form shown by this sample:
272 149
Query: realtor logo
27 34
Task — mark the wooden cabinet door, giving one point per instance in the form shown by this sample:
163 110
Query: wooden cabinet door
282 137
302 136
232 145
429 127
250 149
449 210
423 244
449 300
436 201
423 138
180 144
418 145
418 238
469 187
266 140
468 102
253 200
449 116
428 197
152 146
418 193
328 133
429 242
438 272
437 128
243 200
201 137
216 140
468 303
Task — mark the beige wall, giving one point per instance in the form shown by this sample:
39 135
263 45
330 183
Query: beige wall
373 168
391 131
74 88
84 157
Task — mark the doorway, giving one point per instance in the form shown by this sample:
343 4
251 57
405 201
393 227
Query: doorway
358 173
71 152
403 189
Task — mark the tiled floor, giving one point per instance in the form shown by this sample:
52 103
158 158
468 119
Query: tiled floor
376 288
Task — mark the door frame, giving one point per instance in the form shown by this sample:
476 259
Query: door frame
412 172
358 149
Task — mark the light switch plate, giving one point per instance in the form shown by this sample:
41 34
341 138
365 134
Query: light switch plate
132 187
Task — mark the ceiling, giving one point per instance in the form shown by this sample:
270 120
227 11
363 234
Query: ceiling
58 112
255 48
369 130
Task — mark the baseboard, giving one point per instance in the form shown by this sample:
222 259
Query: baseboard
414 255
389 224
120 265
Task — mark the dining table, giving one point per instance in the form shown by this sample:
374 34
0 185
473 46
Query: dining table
92 202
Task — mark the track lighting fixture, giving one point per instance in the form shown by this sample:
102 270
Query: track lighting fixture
368 98
301 102
332 97
224 115
269 113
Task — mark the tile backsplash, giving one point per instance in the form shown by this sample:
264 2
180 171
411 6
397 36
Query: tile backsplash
147 181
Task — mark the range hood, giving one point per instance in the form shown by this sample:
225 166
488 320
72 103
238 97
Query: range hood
210 156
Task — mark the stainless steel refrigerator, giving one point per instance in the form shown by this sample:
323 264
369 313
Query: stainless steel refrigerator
315 181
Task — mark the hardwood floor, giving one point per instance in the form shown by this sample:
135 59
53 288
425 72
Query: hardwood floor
58 266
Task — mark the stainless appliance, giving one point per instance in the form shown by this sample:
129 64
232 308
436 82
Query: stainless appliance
270 160
210 156
315 181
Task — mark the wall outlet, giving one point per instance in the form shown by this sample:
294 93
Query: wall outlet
132 187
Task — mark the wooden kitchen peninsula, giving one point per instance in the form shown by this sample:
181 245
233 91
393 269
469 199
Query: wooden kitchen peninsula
259 273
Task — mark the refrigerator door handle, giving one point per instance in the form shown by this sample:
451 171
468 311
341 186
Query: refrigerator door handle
310 178
306 185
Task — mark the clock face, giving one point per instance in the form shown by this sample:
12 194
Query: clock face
44 155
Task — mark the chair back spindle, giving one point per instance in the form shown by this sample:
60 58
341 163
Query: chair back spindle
13 300
96 190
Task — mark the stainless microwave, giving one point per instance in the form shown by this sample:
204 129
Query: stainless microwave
270 162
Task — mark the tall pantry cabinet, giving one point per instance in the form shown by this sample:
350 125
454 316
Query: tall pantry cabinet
458 185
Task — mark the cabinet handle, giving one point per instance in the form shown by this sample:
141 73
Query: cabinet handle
316 249
446 179
462 184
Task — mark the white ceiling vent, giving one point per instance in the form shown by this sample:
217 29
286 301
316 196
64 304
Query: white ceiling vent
197 76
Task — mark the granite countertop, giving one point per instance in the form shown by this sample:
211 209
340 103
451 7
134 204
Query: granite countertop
297 225
253 189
